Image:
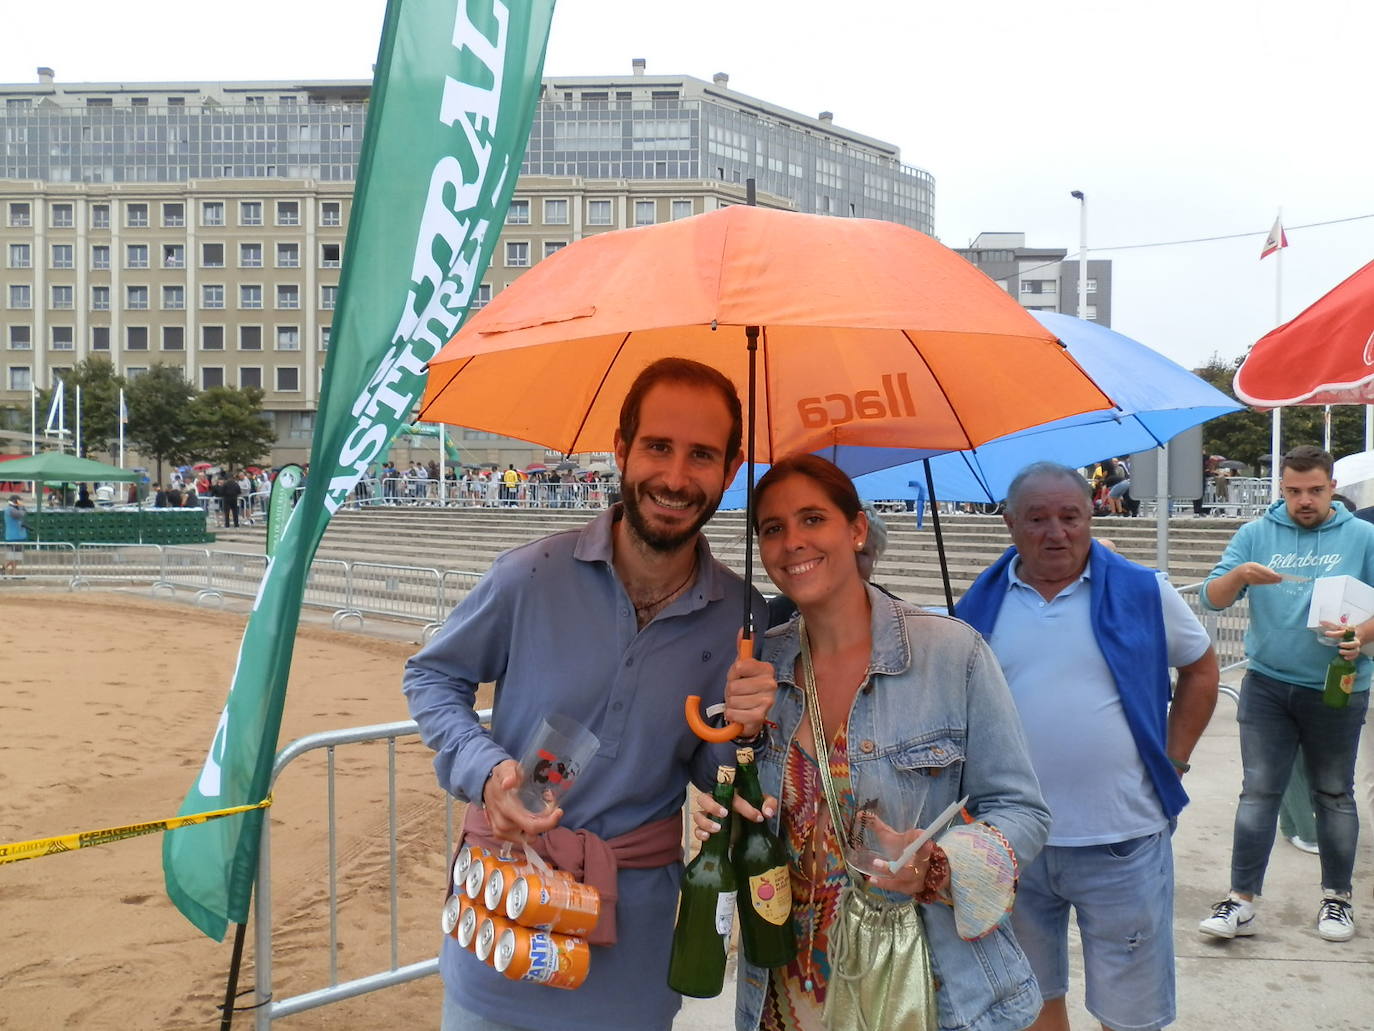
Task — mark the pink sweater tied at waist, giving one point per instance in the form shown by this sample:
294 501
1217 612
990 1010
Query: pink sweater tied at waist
593 860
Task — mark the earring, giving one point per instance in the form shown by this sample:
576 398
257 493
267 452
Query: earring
859 546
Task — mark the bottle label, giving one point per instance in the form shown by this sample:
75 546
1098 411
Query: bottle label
771 894
725 913
1348 683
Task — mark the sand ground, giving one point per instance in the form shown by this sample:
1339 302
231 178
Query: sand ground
107 706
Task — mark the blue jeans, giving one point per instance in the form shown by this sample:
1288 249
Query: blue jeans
1123 896
1275 718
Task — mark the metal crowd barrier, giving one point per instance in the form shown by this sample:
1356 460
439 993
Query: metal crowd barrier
40 560
408 490
1226 629
267 1008
411 593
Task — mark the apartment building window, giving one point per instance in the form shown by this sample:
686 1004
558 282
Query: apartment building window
324 337
62 255
250 255
135 338
21 255
288 378
136 255
331 213
173 215
212 338
100 338
288 213
329 295
174 338
21 215
1092 285
61 297
250 338
136 298
211 376
645 212
100 256
132 372
682 209
1090 312
21 295
517 254
21 338
173 255
329 255
136 216
20 377
62 216
100 216
100 298
250 213
174 297
552 247
288 255
300 425
63 339
482 297
250 376
518 214
212 255
556 211
212 213
250 295
598 212
288 338
212 295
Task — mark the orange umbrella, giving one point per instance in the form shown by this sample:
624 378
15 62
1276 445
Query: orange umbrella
870 334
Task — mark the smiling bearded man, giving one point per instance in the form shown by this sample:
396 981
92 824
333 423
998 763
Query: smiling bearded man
613 626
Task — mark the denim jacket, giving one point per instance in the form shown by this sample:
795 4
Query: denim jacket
933 720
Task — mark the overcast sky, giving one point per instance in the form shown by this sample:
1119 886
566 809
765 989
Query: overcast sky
1178 119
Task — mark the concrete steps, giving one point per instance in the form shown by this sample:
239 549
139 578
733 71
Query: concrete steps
470 539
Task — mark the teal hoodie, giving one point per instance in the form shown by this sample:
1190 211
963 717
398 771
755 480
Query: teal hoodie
1277 641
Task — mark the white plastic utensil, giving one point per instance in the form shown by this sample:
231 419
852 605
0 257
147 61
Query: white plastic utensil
936 826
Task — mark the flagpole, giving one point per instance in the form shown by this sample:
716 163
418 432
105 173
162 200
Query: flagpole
1274 432
77 437
33 419
442 464
123 417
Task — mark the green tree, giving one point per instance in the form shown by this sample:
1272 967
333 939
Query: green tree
159 403
1245 435
229 428
100 387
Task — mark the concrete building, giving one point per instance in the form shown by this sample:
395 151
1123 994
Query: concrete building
202 224
1042 278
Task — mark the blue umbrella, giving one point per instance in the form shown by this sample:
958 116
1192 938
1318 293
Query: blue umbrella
1157 399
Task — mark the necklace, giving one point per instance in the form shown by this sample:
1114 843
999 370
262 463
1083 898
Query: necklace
649 606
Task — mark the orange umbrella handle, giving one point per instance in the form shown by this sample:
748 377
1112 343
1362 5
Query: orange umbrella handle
704 730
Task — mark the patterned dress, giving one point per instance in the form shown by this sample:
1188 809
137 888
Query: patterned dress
790 1006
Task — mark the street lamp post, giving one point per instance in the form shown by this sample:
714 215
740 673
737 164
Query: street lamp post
1082 252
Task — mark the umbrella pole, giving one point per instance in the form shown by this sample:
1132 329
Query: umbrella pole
751 334
939 536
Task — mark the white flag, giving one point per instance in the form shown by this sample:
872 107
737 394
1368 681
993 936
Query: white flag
1276 239
123 412
56 421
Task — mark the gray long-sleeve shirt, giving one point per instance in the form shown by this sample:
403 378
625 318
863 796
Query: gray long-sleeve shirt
552 625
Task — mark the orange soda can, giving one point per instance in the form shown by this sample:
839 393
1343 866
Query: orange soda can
499 883
462 860
489 928
466 934
556 903
480 868
453 913
556 960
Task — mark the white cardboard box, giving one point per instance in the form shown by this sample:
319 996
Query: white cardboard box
1337 596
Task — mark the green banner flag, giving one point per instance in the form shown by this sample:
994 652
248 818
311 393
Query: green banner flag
452 104
280 503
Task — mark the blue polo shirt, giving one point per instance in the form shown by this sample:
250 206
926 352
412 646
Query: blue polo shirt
552 625
1081 746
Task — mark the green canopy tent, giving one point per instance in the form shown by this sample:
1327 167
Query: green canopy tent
57 467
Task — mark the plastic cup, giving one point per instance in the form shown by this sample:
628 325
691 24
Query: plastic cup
880 832
555 758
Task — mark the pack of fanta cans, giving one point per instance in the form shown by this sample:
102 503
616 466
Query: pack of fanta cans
529 924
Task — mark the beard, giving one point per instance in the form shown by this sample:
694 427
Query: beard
662 540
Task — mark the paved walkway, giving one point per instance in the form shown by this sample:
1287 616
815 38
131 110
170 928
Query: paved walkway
1285 978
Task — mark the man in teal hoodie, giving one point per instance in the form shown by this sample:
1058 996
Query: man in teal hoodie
1298 539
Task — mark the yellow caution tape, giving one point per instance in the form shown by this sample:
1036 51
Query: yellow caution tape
21 850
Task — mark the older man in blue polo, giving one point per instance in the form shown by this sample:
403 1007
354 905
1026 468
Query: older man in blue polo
1087 640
